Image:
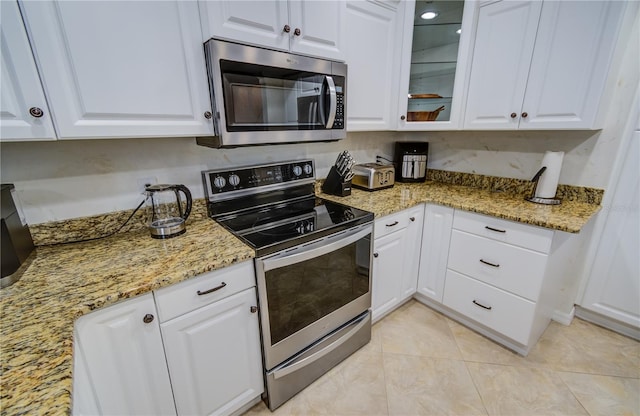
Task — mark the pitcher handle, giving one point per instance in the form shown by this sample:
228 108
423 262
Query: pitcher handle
187 194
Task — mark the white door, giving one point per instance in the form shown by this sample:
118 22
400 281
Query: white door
374 32
413 235
260 23
21 88
125 360
321 25
571 58
214 356
121 69
388 269
436 236
502 54
613 289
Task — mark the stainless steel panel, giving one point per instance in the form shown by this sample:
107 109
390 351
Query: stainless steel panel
216 50
284 381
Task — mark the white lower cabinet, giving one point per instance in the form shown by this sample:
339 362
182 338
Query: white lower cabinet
413 236
395 259
122 360
436 234
214 356
195 351
488 273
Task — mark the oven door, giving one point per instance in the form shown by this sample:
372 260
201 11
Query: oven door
310 290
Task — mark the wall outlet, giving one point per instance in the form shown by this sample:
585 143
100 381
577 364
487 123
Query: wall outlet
144 182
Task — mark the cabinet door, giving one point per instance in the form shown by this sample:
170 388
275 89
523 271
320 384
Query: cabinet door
504 44
376 34
321 25
388 269
571 58
613 289
21 87
435 61
255 22
121 69
125 360
413 235
434 254
214 356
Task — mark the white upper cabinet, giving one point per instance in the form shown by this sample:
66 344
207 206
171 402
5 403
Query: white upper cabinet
24 114
121 69
307 27
434 65
541 65
375 32
254 22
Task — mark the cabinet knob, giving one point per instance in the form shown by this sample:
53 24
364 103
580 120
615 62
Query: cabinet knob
253 309
148 318
375 255
525 115
402 117
208 115
514 115
412 218
36 112
296 32
286 29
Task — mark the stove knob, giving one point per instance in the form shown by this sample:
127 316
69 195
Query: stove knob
307 169
297 170
234 179
219 182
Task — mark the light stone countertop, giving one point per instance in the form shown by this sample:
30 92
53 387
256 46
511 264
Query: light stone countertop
61 282
569 216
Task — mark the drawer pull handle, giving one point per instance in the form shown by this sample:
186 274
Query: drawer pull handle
392 224
481 305
412 219
489 264
495 229
212 290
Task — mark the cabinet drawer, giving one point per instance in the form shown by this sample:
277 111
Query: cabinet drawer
527 236
390 223
183 297
503 312
507 267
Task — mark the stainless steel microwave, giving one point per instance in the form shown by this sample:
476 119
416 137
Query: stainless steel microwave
262 96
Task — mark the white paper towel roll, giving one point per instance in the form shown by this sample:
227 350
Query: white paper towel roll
548 183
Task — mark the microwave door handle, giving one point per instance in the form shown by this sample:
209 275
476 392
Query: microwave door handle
333 101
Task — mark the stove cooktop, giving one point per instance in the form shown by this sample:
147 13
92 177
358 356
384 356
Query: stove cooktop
281 226
273 207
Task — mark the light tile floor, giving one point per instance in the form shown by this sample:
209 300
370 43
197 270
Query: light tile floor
420 362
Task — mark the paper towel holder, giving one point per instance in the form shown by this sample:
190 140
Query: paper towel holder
536 199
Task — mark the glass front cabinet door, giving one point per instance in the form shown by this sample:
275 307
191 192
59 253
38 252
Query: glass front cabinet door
436 55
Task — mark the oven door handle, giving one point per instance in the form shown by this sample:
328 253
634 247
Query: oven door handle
297 365
316 249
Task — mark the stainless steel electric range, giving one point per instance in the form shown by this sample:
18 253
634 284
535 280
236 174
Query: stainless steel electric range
313 268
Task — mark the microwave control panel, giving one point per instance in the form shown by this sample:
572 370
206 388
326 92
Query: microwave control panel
338 122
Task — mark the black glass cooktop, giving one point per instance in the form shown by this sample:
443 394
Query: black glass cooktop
279 226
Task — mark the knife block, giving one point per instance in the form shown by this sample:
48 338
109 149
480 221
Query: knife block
335 184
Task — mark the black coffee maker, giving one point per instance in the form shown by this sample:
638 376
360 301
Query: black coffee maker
411 161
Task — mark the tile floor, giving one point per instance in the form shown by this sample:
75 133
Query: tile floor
421 363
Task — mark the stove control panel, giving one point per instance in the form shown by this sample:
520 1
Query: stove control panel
252 178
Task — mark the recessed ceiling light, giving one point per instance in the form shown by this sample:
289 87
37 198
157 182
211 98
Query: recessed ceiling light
429 15
459 31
